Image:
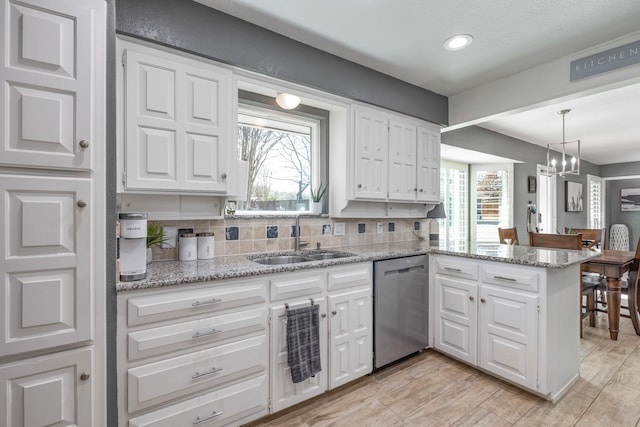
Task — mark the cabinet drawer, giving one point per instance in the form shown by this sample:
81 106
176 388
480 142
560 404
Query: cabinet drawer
295 285
160 381
211 330
237 404
349 276
171 305
454 266
511 277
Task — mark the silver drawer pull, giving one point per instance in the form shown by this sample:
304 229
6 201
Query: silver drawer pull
205 333
457 270
199 420
202 374
510 279
211 301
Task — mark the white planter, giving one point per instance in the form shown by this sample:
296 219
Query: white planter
149 256
315 207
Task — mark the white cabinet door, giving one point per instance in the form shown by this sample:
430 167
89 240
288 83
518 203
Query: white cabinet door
350 336
456 318
50 83
46 262
428 175
402 161
178 124
50 390
284 392
371 155
508 331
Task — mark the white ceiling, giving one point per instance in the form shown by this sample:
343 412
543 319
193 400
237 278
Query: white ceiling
404 39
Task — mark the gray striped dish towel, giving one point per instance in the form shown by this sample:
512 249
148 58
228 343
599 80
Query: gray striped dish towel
303 342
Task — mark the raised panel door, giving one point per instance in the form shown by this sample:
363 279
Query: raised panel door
46 261
49 75
428 169
402 161
49 390
371 155
178 124
508 334
284 392
350 332
455 318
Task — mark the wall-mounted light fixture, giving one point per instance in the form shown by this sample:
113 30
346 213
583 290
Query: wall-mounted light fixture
564 168
287 101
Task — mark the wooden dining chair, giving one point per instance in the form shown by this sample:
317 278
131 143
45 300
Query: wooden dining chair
633 290
508 233
570 241
596 237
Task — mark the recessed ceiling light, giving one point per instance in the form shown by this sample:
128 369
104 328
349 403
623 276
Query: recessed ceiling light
457 42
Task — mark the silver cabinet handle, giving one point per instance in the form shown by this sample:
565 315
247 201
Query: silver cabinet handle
510 279
421 190
85 376
223 176
83 143
81 204
457 270
471 298
211 301
323 315
359 185
334 312
203 374
199 420
482 300
199 334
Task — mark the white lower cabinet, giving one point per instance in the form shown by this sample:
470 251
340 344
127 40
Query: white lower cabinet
346 333
196 355
55 389
512 321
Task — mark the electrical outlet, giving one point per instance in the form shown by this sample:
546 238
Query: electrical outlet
338 229
379 227
170 233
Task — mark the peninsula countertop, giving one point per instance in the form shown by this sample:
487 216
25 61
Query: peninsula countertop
170 273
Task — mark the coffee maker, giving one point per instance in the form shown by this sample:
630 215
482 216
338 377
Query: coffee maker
133 246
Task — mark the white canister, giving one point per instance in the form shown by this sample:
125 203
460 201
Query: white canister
205 245
188 247
133 225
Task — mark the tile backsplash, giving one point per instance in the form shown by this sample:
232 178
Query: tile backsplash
255 235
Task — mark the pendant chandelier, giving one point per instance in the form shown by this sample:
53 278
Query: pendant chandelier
570 163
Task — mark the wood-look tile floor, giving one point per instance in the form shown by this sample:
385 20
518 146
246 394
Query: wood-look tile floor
431 389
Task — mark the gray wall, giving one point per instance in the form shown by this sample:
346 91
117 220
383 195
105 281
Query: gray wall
486 141
613 213
198 29
620 169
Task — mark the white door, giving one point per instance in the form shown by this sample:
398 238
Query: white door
508 334
350 336
371 155
53 390
428 169
546 192
402 161
46 260
178 127
456 318
284 392
49 98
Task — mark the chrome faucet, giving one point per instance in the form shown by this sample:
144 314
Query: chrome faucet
299 243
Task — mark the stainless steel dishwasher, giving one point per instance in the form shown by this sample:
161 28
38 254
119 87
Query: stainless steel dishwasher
400 311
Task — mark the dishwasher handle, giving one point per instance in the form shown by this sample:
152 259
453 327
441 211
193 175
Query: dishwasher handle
404 270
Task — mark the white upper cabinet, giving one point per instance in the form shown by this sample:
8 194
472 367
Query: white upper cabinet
396 158
51 76
178 124
371 154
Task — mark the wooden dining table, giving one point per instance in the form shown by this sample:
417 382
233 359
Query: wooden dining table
612 265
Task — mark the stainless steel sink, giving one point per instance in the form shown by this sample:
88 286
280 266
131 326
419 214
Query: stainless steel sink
281 259
294 259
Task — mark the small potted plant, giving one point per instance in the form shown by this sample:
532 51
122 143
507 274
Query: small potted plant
155 236
315 205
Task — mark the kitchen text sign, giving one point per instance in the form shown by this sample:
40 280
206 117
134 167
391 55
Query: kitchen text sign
611 59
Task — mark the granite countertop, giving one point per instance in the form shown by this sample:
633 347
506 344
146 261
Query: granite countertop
170 273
